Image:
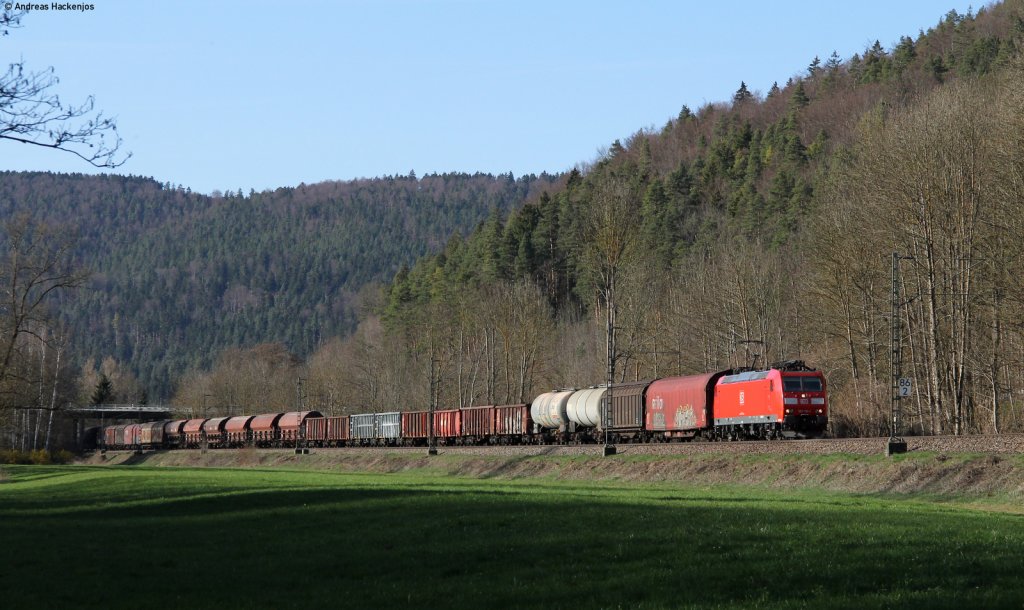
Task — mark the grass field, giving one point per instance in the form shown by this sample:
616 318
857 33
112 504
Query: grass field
130 537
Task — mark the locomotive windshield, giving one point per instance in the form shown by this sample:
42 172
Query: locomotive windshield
801 384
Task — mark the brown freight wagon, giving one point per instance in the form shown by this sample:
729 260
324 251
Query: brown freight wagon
628 409
193 431
236 430
512 424
173 432
119 436
477 424
291 424
415 427
337 430
316 431
213 428
264 429
132 434
327 431
448 426
110 437
151 435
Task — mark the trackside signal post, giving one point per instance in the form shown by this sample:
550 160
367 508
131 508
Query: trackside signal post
432 440
901 386
609 448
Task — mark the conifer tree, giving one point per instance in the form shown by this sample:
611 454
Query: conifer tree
799 98
103 392
742 94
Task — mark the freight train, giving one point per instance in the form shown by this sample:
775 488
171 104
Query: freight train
787 400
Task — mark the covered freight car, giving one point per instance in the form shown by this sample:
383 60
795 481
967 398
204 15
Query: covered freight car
236 430
263 429
292 425
151 435
193 431
680 407
174 435
213 430
627 410
132 434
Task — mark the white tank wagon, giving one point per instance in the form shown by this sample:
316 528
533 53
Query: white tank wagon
585 407
549 409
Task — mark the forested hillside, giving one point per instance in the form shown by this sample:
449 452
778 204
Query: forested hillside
762 229
176 277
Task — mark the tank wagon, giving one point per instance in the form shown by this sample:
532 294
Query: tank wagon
787 400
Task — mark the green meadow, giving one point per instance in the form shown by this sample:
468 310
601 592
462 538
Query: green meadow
136 537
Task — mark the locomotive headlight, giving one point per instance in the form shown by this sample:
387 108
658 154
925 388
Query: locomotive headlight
820 411
788 411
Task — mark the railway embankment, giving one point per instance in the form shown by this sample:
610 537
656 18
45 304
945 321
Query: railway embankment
993 478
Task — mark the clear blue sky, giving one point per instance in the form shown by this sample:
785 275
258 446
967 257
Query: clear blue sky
228 95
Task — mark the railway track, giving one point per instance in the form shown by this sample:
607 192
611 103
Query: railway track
995 444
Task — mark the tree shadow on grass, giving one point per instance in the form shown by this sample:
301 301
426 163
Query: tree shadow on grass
376 546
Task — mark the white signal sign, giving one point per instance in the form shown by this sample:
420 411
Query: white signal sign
905 386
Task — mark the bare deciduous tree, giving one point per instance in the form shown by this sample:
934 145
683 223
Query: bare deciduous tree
32 113
37 262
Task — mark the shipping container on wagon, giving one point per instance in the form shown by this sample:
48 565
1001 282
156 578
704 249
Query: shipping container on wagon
586 407
512 421
173 434
213 429
363 428
549 409
263 429
478 423
152 434
415 425
292 423
627 409
680 406
236 430
389 427
447 425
